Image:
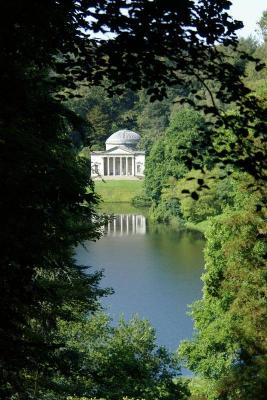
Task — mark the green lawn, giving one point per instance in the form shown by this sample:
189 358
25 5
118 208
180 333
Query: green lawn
116 191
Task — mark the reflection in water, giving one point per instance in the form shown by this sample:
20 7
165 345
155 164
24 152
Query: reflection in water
154 270
126 224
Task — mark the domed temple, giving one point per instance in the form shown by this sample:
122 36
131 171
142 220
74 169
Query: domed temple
121 159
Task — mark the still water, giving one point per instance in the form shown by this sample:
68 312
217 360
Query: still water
154 270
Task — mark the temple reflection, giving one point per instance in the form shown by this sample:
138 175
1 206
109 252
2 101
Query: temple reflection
126 224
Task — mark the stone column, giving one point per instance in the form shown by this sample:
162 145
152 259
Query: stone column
126 169
133 171
113 164
120 166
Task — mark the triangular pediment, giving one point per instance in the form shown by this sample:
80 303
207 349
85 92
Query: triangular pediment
120 150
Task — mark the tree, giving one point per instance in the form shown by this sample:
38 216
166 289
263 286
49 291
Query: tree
103 113
167 156
229 347
120 361
263 25
212 198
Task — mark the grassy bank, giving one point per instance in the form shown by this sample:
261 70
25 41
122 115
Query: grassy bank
116 191
121 208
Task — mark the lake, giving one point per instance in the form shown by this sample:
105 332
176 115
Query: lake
154 270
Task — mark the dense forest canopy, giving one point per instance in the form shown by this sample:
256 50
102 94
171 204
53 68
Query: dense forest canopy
48 205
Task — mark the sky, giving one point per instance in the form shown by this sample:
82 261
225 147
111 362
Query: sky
249 12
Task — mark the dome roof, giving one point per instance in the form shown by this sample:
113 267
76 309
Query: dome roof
123 136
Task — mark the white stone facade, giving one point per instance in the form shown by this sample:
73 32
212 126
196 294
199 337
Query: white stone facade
120 160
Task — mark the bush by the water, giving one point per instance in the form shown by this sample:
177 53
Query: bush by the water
141 201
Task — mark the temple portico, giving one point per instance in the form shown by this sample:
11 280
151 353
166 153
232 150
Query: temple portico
120 159
118 166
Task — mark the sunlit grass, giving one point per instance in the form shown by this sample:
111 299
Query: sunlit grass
118 191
